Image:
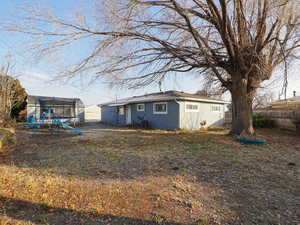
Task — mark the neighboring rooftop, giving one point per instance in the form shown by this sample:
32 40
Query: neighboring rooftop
35 99
295 99
163 96
287 104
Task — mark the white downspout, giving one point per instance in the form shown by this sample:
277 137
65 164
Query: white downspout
179 116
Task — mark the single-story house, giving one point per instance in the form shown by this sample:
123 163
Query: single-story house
166 110
44 108
92 113
287 104
284 112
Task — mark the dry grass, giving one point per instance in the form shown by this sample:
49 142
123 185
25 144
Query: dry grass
151 177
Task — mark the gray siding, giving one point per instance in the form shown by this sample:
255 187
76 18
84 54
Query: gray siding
110 114
122 119
176 118
169 121
193 120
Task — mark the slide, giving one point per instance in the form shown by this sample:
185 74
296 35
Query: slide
69 127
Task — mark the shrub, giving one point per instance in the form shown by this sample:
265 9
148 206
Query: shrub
262 121
296 120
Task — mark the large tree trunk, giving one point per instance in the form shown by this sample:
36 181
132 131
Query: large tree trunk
242 100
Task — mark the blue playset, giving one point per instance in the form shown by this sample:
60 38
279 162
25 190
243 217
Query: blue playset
46 122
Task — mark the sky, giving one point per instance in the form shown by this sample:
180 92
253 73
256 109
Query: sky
38 76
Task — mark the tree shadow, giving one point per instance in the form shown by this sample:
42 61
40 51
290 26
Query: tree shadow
245 174
44 214
88 157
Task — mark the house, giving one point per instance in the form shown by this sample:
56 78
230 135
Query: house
92 113
166 110
285 112
287 104
44 108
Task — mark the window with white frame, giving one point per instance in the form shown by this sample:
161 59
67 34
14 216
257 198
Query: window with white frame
140 107
191 107
121 110
216 108
160 108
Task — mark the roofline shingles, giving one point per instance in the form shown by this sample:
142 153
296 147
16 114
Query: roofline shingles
163 96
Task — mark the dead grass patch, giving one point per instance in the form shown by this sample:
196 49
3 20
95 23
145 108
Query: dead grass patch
150 177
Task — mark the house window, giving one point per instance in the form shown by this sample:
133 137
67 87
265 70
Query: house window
216 108
140 107
160 108
191 107
121 110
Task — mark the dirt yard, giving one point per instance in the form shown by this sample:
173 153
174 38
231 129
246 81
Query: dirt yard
113 176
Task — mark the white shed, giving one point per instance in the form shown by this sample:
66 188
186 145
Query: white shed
92 113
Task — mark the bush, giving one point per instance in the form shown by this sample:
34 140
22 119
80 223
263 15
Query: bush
262 121
296 120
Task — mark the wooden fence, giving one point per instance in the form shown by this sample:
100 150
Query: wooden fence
228 117
283 118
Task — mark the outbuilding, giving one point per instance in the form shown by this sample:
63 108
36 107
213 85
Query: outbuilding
92 113
43 108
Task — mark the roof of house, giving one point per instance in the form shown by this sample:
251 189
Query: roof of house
163 96
293 100
35 99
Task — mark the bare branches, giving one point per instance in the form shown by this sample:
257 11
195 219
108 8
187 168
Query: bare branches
8 93
243 38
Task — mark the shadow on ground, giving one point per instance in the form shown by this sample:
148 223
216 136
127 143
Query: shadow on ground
255 184
43 214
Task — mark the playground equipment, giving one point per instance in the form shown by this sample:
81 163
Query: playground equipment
54 125
66 126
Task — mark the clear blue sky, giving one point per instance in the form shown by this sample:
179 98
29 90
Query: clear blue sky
36 77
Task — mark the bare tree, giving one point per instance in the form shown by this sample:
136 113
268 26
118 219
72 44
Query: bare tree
263 99
238 43
203 92
11 95
6 89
